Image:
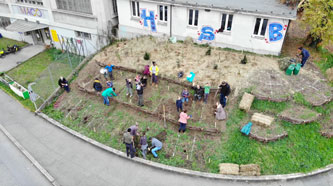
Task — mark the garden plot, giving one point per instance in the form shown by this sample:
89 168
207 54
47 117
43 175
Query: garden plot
275 86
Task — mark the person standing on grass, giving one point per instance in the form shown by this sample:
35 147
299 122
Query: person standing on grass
109 92
129 87
224 93
63 83
185 95
139 90
97 85
183 117
110 69
154 73
128 141
304 54
144 145
156 146
179 104
207 90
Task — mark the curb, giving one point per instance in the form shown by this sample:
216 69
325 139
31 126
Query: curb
39 167
176 170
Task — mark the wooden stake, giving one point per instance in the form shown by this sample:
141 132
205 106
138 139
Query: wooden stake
164 116
215 124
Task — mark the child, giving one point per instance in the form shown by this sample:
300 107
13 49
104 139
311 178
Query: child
179 104
109 84
207 90
138 78
185 95
146 71
183 117
144 81
129 87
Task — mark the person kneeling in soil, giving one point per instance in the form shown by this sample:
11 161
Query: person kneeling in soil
156 146
63 83
97 85
109 92
198 92
139 90
109 84
129 87
128 141
220 113
183 117
144 145
146 71
179 104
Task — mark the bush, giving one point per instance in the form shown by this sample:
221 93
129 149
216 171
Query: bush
244 60
146 56
215 67
209 51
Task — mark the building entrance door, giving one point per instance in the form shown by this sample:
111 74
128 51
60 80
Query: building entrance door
37 37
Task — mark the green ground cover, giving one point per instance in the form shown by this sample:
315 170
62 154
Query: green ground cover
5 41
25 102
44 69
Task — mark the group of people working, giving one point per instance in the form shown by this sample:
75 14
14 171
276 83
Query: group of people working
129 141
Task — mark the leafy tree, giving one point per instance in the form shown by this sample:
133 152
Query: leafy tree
318 16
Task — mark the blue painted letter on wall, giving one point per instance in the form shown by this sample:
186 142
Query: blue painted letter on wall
207 33
275 33
150 18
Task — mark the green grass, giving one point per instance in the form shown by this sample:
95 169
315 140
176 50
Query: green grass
5 41
37 69
25 102
269 106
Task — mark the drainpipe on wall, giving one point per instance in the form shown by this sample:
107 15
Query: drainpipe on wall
170 20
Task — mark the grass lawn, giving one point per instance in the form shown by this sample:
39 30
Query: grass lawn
25 102
5 41
38 68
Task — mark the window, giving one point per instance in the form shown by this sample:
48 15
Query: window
4 22
114 4
38 2
83 6
163 13
83 35
226 23
193 16
260 27
135 8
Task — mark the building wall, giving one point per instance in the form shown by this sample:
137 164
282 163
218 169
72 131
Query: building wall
64 23
240 38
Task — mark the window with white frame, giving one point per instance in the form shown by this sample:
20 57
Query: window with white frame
114 4
226 22
34 2
193 17
135 8
163 10
4 22
84 35
260 27
83 6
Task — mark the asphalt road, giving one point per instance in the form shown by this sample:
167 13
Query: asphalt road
15 168
73 162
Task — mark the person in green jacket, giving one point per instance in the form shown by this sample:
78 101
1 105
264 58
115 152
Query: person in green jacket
207 90
109 92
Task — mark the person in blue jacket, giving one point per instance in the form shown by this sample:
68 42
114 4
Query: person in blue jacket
110 68
304 54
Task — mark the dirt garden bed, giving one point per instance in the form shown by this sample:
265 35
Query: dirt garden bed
299 115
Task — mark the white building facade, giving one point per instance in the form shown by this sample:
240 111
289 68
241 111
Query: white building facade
257 26
86 25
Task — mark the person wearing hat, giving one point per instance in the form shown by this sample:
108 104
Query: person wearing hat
224 93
